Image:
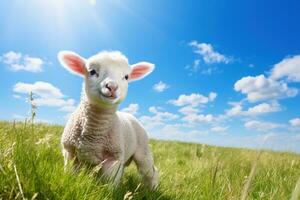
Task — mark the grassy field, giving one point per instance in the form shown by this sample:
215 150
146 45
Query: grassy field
31 167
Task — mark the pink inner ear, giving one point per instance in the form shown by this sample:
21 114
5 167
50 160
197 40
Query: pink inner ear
74 63
139 71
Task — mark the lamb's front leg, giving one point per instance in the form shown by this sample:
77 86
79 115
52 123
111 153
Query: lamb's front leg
112 170
144 162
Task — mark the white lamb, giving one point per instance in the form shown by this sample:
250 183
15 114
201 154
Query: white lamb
96 133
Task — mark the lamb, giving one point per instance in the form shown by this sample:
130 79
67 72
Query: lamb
96 134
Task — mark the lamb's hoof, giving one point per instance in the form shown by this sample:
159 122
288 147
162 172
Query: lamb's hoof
152 183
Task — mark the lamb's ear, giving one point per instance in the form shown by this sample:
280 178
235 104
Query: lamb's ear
72 62
140 70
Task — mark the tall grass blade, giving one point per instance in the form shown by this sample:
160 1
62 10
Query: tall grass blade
296 192
250 178
19 183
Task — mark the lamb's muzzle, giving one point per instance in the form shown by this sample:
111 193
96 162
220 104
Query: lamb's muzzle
110 89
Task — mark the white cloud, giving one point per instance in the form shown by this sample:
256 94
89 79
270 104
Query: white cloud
176 130
208 53
193 99
132 108
68 108
263 108
16 62
151 122
187 110
288 68
154 109
195 118
45 94
43 89
204 69
194 67
219 129
260 109
11 57
236 110
54 102
261 126
17 96
158 118
295 122
190 102
212 96
163 116
208 56
258 88
160 86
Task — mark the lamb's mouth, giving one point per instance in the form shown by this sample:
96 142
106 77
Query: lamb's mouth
110 97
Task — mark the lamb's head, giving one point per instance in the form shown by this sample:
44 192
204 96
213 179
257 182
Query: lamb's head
106 75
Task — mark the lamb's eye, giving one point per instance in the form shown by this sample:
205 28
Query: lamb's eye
126 76
93 72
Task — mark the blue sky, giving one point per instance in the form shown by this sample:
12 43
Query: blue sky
227 72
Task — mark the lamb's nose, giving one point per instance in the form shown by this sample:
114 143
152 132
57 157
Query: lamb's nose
112 87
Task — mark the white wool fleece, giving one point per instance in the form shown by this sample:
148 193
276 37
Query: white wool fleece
97 134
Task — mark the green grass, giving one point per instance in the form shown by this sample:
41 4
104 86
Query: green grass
187 171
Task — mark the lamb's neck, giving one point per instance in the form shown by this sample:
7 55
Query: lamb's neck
97 120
